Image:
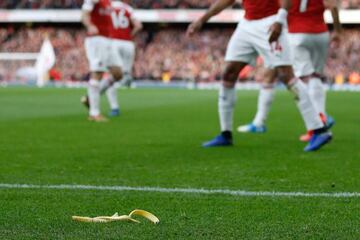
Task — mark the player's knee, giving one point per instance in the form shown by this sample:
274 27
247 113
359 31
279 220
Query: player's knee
117 74
282 77
305 79
230 75
229 79
96 75
285 74
269 77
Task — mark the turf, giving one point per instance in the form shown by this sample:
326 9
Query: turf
46 139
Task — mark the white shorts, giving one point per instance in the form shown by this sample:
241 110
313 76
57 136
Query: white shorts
309 52
122 55
97 51
252 37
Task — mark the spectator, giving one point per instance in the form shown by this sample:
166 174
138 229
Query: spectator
145 4
164 53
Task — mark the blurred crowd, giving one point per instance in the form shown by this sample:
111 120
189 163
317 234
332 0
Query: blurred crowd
350 4
145 4
67 42
40 4
162 54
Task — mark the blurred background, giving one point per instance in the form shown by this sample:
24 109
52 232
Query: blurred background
164 54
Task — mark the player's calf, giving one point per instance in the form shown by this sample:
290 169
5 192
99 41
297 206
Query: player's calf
85 101
226 104
310 115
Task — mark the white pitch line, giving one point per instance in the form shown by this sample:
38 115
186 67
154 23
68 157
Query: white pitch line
241 193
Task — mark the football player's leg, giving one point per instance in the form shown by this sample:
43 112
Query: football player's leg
298 88
316 86
112 97
94 94
280 57
303 67
226 105
239 53
105 84
304 52
122 61
111 91
266 97
128 63
285 73
227 96
113 63
94 48
304 48
310 116
317 93
115 75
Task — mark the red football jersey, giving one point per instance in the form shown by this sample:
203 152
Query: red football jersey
100 14
258 9
307 16
121 16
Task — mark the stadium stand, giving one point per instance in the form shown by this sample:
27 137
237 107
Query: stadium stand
145 4
200 58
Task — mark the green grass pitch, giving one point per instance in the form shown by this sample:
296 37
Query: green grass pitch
46 139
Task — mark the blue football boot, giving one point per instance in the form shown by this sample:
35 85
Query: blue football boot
317 141
114 113
251 128
219 141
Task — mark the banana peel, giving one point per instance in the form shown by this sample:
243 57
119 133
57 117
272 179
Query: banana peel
115 218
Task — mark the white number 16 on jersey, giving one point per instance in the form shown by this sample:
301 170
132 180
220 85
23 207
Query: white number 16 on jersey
120 20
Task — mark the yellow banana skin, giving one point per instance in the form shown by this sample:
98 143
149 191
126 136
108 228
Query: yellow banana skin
148 215
115 218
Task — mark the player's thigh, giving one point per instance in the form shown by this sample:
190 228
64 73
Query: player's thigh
301 55
240 48
115 55
128 56
253 61
320 51
96 49
276 54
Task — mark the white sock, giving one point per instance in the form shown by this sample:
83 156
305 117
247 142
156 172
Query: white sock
126 80
227 99
94 97
308 112
111 94
105 84
317 94
266 97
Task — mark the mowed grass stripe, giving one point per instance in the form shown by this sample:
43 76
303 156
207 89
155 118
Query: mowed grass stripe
242 193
